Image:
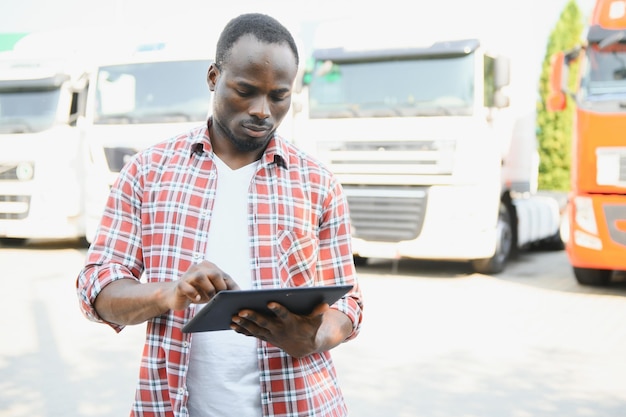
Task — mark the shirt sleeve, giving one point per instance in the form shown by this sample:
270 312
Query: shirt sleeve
115 252
335 255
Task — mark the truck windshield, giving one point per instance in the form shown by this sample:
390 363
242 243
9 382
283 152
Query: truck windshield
28 111
604 78
400 88
155 92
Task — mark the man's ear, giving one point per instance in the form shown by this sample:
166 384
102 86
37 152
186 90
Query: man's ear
211 77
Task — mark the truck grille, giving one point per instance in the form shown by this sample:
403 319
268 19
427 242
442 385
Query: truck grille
118 157
389 213
14 207
616 214
8 172
391 159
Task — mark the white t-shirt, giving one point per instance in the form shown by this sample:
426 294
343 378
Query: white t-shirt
223 376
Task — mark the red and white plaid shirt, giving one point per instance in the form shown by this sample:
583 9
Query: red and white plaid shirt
156 225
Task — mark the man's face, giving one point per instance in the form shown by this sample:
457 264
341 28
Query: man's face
252 92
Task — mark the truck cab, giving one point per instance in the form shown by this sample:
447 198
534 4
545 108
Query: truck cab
596 213
138 99
41 167
422 140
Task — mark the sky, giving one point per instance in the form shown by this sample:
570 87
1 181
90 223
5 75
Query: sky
521 28
523 20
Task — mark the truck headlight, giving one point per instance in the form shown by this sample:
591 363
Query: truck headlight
24 171
585 217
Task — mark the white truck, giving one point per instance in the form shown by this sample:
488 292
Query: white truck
433 162
137 99
41 99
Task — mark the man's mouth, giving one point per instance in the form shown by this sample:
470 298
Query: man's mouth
256 130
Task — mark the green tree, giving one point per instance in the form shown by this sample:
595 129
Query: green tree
555 128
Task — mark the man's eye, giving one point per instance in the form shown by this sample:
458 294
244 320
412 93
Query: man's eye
243 93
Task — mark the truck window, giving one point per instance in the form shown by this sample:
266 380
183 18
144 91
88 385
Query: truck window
402 88
28 111
153 92
605 73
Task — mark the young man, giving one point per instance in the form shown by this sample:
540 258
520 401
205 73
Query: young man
229 205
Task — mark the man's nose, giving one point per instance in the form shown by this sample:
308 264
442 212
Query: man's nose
260 108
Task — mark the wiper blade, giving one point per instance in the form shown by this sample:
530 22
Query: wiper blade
115 119
15 126
166 117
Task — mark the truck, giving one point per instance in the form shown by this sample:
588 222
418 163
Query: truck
137 97
72 111
434 164
595 224
41 192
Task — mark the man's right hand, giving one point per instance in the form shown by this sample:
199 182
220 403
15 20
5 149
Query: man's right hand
198 285
128 301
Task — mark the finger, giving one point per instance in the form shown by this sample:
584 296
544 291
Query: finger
197 279
279 310
231 284
193 293
237 326
221 281
251 324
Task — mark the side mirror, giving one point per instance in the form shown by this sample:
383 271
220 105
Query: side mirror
502 76
501 99
556 96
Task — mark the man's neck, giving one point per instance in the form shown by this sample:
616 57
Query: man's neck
228 152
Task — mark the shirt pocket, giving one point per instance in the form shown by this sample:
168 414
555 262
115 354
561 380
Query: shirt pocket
297 258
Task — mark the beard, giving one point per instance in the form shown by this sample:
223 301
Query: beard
244 145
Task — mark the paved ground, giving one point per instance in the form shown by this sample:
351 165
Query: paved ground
438 341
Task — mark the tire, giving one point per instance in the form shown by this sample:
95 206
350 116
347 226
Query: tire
593 277
504 247
12 242
551 244
83 243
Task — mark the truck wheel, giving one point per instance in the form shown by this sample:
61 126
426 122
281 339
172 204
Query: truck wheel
504 246
552 243
593 277
13 242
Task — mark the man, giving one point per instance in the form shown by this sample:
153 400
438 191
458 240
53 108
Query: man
229 205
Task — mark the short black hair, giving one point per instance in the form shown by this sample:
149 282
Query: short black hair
263 27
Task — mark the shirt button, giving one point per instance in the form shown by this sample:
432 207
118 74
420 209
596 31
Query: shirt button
212 175
197 257
185 344
181 390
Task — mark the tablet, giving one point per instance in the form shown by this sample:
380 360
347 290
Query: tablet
218 312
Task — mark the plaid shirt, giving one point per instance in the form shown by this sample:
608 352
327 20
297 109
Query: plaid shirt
155 226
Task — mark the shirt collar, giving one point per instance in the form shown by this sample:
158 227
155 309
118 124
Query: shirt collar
275 153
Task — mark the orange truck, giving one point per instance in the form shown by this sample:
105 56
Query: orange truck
595 226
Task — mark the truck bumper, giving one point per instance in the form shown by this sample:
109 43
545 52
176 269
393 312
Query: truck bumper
597 232
50 214
459 224
46 228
